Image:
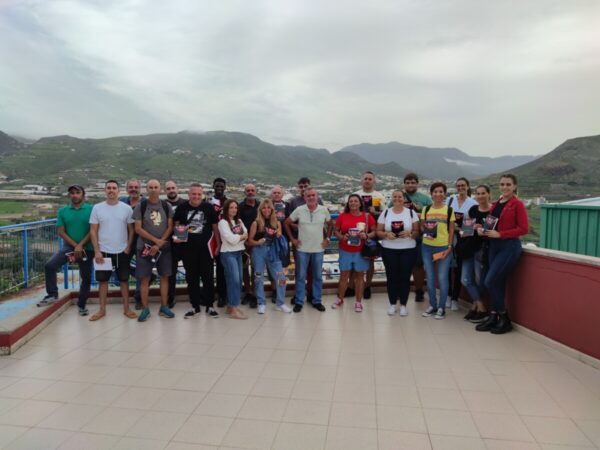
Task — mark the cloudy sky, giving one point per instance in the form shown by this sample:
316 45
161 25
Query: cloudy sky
491 78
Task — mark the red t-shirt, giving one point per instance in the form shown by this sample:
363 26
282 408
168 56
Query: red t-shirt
348 223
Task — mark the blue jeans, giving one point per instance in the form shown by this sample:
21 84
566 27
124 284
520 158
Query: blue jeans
503 256
232 263
441 266
471 279
316 262
85 273
262 257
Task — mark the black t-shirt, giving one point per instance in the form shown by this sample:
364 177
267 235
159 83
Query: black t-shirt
176 203
282 210
248 213
479 216
498 209
218 204
199 219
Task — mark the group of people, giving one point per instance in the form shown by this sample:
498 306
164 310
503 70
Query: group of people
457 241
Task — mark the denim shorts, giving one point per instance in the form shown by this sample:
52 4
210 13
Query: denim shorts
353 261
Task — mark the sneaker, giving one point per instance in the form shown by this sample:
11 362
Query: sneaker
349 293
261 309
319 307
470 315
165 311
403 310
338 302
283 308
191 313
293 301
144 315
448 302
488 323
83 311
297 307
440 314
429 312
246 299
391 310
358 307
212 312
480 316
48 300
454 305
503 324
367 293
419 295
253 303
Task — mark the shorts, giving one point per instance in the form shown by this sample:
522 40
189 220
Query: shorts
144 265
120 263
353 261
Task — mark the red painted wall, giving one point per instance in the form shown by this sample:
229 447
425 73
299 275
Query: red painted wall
558 299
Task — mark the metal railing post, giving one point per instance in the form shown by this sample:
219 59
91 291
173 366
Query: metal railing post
61 243
25 259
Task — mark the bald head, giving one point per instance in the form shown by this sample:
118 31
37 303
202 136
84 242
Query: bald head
153 189
276 193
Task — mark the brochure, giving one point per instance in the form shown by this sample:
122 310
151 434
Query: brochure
146 253
237 229
354 237
468 228
459 218
180 233
71 258
490 223
397 227
368 201
105 265
437 256
430 229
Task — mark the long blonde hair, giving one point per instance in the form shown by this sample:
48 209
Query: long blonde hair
260 220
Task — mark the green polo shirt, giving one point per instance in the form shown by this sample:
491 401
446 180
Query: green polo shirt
76 222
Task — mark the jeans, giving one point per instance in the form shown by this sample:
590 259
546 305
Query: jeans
262 257
198 265
303 259
442 266
472 275
398 264
58 260
232 264
503 256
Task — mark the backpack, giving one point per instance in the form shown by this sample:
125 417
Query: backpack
450 211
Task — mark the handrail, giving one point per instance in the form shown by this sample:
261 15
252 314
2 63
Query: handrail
24 225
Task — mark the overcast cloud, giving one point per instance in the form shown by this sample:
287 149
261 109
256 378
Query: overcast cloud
491 78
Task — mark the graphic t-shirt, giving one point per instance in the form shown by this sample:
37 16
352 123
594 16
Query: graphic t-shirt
199 220
373 198
155 221
282 210
112 221
389 219
347 223
439 215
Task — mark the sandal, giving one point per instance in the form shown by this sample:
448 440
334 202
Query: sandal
130 314
237 314
99 315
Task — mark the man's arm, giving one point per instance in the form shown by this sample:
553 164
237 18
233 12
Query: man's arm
63 234
130 237
94 236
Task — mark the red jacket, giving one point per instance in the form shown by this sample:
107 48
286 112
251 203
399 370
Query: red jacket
513 221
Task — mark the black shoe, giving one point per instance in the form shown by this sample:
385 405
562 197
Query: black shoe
367 293
488 324
349 293
191 313
171 303
471 314
480 316
246 299
297 308
503 324
212 312
221 302
48 300
319 307
293 301
253 302
309 297
419 295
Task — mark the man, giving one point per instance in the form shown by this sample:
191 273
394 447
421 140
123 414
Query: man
416 201
111 232
200 220
174 200
303 183
73 223
374 202
133 197
218 200
153 226
312 219
248 211
282 211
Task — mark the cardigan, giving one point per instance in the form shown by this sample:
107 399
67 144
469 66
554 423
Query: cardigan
513 221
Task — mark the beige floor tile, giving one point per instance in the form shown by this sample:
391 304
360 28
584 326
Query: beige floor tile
508 427
591 428
456 443
246 368
549 430
88 374
251 434
353 415
9 403
354 392
62 391
143 361
179 401
111 358
342 438
28 413
256 354
114 421
474 381
203 430
194 381
229 384
398 440
9 433
158 425
185 446
496 444
273 387
535 404
295 436
321 358
288 356
39 439
450 423
401 418
25 388
398 396
100 394
71 417
441 399
160 379
394 376
221 405
435 379
89 441
281 370
310 390
131 443
139 398
205 364
492 402
307 411
263 408
7 381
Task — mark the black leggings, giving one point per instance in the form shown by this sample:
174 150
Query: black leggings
398 264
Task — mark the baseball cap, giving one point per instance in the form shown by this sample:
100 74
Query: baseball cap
76 186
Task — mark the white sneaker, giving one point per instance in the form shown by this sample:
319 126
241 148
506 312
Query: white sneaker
454 306
403 310
261 309
440 314
448 302
429 312
283 308
391 310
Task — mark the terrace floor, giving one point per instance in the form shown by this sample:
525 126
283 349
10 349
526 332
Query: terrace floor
333 380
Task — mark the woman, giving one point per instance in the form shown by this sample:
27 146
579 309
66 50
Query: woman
263 231
233 234
505 250
397 228
474 257
461 203
437 226
352 228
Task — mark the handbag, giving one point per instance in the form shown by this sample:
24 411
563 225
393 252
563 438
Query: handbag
370 249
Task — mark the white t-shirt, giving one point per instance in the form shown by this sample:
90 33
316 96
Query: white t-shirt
463 211
112 223
373 198
390 216
310 227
